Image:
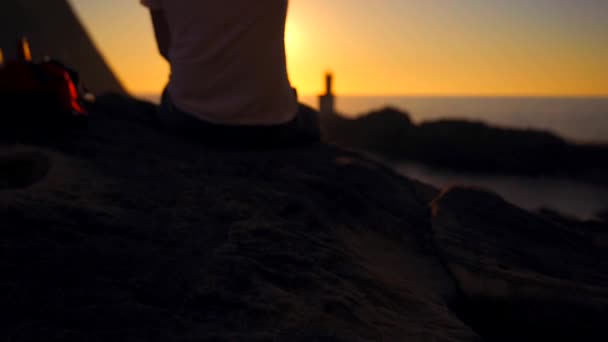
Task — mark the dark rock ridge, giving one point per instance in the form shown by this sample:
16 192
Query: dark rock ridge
135 235
522 273
469 146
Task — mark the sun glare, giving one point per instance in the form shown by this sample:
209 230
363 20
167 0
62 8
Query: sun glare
291 39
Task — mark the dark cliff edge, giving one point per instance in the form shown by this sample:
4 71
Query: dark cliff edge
120 232
469 146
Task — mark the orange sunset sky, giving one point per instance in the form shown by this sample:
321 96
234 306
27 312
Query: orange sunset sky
399 47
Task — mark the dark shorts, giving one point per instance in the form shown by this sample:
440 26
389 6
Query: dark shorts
304 129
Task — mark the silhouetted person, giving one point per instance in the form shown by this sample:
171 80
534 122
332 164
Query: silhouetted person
228 80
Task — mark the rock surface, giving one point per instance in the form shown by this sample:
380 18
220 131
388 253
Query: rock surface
603 215
135 235
140 236
21 168
522 275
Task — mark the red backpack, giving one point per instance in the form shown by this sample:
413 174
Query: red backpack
33 95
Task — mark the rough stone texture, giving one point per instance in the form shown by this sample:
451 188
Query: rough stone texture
523 276
603 215
140 236
22 168
121 232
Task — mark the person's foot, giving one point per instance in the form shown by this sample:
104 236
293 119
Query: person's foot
22 169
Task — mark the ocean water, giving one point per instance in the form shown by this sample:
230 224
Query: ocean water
576 119
567 197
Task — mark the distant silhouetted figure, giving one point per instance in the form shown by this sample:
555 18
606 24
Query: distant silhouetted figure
327 100
228 71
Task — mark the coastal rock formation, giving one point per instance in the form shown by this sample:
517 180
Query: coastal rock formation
469 146
595 230
523 276
138 235
132 234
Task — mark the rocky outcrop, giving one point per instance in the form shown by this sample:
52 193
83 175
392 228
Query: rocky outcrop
127 233
136 235
524 277
469 146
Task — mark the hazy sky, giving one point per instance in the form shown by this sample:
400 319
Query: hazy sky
431 47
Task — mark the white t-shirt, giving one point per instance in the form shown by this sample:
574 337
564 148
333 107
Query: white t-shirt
228 60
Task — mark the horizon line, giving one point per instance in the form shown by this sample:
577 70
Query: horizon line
573 96
582 96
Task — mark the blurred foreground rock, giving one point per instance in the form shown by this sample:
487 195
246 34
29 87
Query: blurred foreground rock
134 235
522 275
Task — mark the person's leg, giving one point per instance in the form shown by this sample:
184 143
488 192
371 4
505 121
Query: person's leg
302 130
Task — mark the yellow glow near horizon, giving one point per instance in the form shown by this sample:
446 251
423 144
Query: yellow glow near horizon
387 47
292 40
